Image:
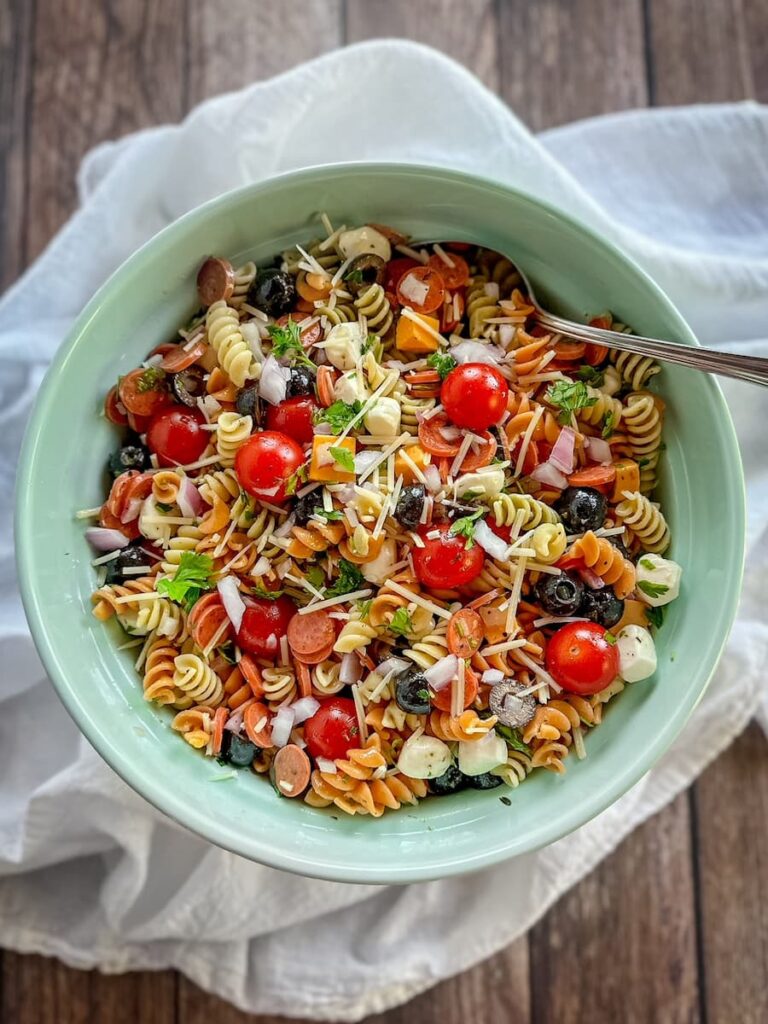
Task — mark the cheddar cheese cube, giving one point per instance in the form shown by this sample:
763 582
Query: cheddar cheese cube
327 466
627 479
412 337
417 455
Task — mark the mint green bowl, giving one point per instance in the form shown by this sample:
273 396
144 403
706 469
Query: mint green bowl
67 444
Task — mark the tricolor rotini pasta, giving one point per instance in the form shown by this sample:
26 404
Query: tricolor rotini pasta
374 532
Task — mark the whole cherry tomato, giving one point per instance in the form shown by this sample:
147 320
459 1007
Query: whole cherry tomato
293 417
581 659
333 729
264 622
445 561
265 462
176 435
474 395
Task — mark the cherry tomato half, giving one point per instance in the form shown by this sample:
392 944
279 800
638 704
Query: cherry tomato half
176 435
445 561
395 270
265 462
265 621
293 417
474 395
333 729
143 391
416 278
580 659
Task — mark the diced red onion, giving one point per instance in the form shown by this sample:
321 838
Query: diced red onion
189 500
326 765
260 566
346 493
489 541
282 724
351 669
235 721
561 456
266 492
592 579
273 381
322 428
132 510
364 460
392 665
442 672
284 528
491 676
232 600
598 450
475 352
548 474
432 476
105 540
449 433
303 709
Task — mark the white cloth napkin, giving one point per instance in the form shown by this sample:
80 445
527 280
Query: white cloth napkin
92 874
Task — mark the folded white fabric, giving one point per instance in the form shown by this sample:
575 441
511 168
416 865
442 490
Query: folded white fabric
88 871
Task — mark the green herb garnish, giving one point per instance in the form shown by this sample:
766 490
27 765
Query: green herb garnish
609 638
401 624
349 579
442 362
607 425
339 415
655 616
465 527
592 376
647 564
512 736
344 458
315 577
162 507
150 379
333 515
569 396
364 607
258 591
423 694
652 589
192 577
286 342
299 477
354 276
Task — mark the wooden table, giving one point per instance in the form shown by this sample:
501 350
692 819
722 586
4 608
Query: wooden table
672 927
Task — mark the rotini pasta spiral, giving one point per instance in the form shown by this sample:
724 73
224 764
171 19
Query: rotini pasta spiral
606 410
354 635
236 359
373 304
165 486
279 685
607 562
107 601
232 431
466 727
160 616
429 649
515 769
482 304
187 538
364 796
223 484
548 541
158 676
636 370
244 278
197 679
645 521
506 507
195 726
339 313
325 678
307 541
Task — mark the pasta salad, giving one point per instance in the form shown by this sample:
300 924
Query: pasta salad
373 533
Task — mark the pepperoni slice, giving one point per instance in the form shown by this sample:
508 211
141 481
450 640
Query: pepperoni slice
309 635
256 722
215 280
114 410
415 278
465 633
179 358
219 720
309 335
143 391
252 675
453 276
443 699
206 619
304 679
431 437
316 656
291 770
325 381
111 522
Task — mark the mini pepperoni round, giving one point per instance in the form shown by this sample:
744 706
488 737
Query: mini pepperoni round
465 633
180 358
309 335
143 391
291 770
219 721
206 619
252 675
215 280
324 382
304 678
443 699
256 722
424 282
114 409
310 634
455 274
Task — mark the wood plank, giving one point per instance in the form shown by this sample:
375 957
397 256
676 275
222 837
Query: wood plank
467 31
566 59
621 945
15 71
100 70
731 831
38 990
756 29
233 44
704 52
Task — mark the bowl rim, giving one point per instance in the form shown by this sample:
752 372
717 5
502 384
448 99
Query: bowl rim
253 847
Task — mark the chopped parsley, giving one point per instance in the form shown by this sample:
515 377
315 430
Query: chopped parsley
512 736
192 577
655 616
286 343
569 396
592 376
423 694
258 591
150 380
442 362
647 564
609 638
354 276
652 589
364 607
401 624
315 577
162 507
344 458
339 415
369 344
333 515
299 477
607 425
465 527
349 579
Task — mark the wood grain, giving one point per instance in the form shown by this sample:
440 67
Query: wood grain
467 30
566 59
621 945
16 27
731 834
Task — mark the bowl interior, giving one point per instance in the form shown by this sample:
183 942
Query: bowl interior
68 442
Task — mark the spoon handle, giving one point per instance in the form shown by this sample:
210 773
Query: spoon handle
752 369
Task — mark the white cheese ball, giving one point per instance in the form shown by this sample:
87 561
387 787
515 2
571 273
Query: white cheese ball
488 484
637 653
476 757
349 388
383 418
661 577
424 757
377 570
365 240
344 346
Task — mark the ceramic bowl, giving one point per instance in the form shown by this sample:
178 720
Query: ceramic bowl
61 470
